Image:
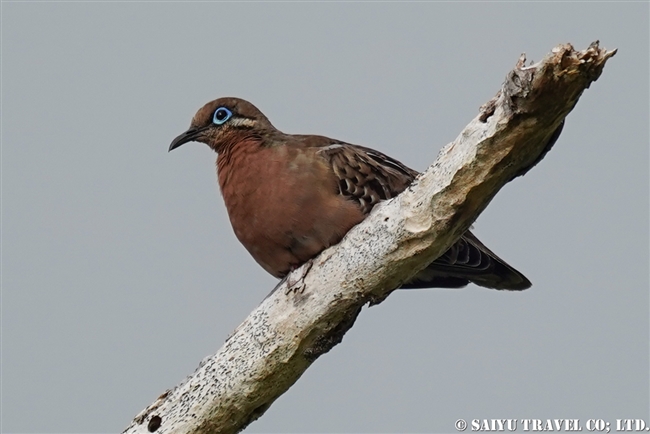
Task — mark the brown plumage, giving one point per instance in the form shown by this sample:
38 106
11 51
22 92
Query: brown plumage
289 197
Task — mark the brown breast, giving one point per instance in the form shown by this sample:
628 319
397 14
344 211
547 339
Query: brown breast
283 203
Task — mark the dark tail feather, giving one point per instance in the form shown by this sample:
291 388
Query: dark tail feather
468 260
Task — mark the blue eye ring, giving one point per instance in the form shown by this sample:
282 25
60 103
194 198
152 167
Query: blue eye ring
221 115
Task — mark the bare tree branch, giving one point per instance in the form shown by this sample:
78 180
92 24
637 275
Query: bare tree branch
296 324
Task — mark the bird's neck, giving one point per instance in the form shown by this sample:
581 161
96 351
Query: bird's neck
233 152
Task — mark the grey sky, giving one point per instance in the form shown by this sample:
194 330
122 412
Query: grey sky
120 271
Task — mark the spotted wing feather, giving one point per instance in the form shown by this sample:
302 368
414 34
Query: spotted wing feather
368 177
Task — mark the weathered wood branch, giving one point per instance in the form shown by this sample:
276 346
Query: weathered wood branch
291 328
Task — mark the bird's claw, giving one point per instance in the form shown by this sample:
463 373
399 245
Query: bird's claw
297 286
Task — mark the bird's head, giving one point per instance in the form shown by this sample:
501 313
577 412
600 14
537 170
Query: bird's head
223 121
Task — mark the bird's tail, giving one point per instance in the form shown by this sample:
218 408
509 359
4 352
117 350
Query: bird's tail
469 260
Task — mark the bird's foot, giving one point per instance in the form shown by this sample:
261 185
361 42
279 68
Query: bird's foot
294 285
297 285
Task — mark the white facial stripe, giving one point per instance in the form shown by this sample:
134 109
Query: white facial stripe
235 122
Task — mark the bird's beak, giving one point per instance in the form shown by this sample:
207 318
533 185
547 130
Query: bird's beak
187 136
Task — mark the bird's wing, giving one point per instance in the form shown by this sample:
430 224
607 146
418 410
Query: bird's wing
368 176
468 259
365 175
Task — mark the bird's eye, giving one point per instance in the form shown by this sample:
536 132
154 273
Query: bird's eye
221 115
